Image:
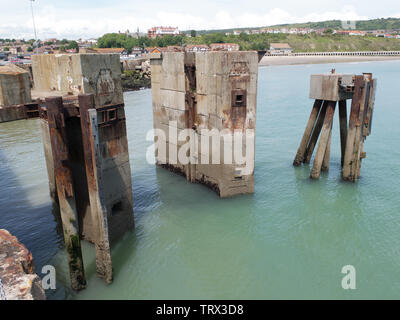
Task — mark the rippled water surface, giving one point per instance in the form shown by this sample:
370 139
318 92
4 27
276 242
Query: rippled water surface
288 240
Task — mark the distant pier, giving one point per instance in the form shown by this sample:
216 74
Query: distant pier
355 53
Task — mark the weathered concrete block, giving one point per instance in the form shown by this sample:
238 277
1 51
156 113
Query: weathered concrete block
206 104
173 99
74 74
213 91
15 86
331 87
95 193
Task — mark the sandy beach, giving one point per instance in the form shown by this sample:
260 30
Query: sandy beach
293 60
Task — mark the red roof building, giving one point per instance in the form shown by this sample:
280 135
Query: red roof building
224 47
162 31
197 48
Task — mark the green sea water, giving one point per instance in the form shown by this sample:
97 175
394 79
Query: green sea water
289 240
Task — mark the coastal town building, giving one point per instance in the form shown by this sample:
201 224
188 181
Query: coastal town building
86 43
172 49
280 48
152 50
120 51
351 33
136 52
136 34
162 31
357 33
197 48
15 50
224 47
320 31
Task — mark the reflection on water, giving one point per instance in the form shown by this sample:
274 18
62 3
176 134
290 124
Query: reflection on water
288 240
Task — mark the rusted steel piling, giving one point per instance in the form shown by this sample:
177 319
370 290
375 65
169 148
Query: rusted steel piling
65 190
328 90
86 149
19 112
316 132
323 147
91 147
106 159
300 156
90 165
343 127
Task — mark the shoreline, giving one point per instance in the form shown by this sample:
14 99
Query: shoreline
298 60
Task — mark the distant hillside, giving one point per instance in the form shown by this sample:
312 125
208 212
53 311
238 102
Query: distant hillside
375 24
301 43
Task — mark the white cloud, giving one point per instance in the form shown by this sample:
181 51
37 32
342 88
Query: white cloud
84 23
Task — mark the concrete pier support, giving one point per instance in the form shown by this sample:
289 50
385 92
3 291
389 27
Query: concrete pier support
212 97
65 190
323 148
15 86
108 177
343 127
15 94
327 90
301 153
48 154
99 204
89 161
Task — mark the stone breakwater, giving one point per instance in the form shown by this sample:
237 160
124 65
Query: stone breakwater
19 281
136 74
133 80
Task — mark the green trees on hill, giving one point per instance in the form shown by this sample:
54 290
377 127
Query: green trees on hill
300 43
73 45
121 40
374 24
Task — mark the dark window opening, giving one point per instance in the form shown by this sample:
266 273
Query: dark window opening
117 207
112 115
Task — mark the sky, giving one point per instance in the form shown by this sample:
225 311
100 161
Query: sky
85 19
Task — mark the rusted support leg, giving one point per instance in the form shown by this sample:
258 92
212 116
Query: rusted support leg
65 191
326 162
324 139
48 155
370 110
343 126
361 156
92 153
359 141
316 133
301 152
366 124
353 138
